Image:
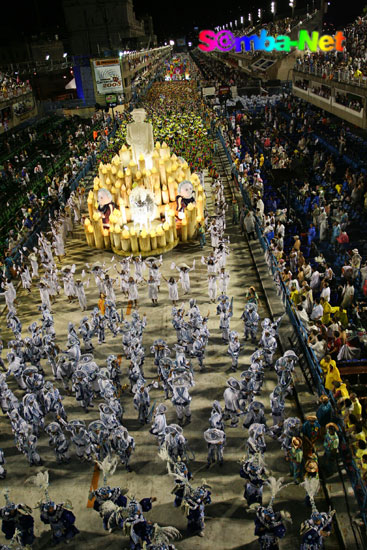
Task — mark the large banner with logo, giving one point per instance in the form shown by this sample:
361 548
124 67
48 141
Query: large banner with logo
107 73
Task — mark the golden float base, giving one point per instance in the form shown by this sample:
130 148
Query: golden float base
155 252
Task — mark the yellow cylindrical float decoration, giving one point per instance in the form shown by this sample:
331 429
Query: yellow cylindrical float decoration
117 237
113 174
144 241
148 180
172 222
106 238
95 189
168 231
89 233
185 167
102 175
125 241
128 178
118 185
157 194
141 163
161 237
155 159
168 163
165 196
123 211
180 176
164 152
134 241
90 201
184 230
125 156
191 220
162 172
97 230
200 206
138 179
123 194
153 240
133 167
174 170
171 189
155 177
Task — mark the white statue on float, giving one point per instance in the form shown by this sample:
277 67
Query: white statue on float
140 137
142 207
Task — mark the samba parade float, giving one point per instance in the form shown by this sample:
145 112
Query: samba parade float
146 200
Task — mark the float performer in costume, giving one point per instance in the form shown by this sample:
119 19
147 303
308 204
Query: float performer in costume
185 195
105 206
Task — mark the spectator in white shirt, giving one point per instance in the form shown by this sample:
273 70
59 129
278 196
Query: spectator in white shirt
303 316
325 293
317 311
319 347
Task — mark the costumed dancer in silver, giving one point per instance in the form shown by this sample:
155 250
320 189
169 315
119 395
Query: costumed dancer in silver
216 440
250 319
234 348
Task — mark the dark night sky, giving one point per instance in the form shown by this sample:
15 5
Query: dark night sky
196 13
171 20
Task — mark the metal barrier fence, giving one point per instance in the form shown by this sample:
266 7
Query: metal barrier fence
359 488
337 75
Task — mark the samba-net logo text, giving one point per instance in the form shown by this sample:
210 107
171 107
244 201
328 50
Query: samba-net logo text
225 41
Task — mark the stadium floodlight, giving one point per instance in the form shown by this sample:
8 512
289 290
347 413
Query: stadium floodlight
272 8
250 17
241 19
171 42
259 12
65 54
47 57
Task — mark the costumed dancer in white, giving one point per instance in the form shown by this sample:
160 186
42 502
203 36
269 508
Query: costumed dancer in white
184 271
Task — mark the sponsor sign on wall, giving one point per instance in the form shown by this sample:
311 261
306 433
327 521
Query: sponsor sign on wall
108 76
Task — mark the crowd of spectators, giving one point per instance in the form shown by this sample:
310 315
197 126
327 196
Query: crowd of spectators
351 101
350 64
322 91
315 237
41 172
11 87
303 84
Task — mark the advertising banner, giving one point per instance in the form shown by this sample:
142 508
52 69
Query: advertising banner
108 76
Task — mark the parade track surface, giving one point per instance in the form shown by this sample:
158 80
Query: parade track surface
229 525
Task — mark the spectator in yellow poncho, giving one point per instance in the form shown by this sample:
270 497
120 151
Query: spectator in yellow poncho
332 375
325 364
340 316
328 309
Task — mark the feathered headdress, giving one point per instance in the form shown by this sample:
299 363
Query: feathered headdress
108 467
275 486
311 485
41 480
164 535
